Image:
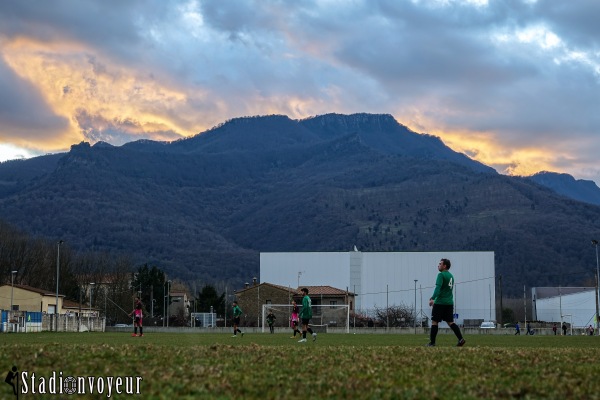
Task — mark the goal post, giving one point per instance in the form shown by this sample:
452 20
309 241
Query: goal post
327 315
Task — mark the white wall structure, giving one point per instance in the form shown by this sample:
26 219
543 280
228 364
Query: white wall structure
382 279
576 305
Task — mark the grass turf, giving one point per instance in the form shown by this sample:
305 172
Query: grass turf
378 366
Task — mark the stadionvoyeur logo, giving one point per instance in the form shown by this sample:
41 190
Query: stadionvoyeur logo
11 379
57 383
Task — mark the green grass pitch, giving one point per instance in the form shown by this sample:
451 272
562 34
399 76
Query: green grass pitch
336 366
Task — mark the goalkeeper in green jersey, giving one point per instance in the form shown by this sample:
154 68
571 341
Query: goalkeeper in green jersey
305 316
237 312
442 302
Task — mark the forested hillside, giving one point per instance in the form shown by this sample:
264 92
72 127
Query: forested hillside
205 207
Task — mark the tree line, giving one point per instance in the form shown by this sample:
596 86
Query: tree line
105 282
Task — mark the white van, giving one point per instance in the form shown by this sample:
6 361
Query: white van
487 325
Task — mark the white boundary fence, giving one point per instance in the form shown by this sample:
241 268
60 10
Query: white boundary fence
22 322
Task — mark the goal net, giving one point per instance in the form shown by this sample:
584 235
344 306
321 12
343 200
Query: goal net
334 316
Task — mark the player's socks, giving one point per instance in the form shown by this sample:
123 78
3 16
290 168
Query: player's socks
456 331
433 334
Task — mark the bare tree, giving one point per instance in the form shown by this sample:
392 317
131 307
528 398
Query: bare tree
395 316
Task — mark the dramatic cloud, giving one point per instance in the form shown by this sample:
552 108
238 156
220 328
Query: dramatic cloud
512 83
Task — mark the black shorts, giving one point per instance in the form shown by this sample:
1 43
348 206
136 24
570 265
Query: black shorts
236 320
138 321
442 312
305 321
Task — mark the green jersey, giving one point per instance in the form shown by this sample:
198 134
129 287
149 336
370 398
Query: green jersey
306 312
443 289
237 311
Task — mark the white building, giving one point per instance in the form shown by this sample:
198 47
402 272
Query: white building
577 305
384 279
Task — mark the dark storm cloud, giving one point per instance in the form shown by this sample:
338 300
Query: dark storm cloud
576 21
111 25
524 73
23 112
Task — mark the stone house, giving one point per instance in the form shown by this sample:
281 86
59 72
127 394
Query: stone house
252 298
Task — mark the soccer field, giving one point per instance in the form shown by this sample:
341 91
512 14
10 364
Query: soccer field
344 366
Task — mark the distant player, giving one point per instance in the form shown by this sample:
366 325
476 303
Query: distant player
294 319
442 302
237 313
306 315
271 321
137 315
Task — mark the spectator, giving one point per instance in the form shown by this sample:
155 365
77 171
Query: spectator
529 330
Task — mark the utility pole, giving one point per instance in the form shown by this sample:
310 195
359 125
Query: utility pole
415 323
597 305
595 244
500 287
525 305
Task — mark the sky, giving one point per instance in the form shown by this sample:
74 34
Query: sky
514 84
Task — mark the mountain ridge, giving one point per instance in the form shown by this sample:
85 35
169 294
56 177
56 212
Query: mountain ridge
202 210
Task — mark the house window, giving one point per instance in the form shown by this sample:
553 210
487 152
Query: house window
15 307
268 302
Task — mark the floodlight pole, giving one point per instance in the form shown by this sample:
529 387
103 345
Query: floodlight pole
299 275
90 311
168 301
500 286
12 287
80 288
525 304
387 307
420 306
595 244
560 306
56 311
